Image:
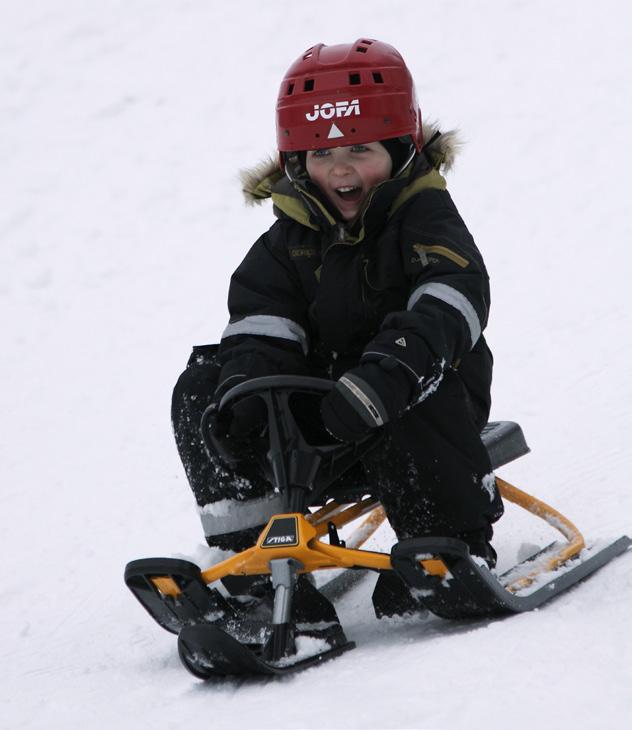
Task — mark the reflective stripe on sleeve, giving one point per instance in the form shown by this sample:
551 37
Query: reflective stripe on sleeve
455 299
372 412
268 325
231 515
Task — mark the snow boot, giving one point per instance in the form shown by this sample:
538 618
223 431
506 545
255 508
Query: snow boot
480 546
392 597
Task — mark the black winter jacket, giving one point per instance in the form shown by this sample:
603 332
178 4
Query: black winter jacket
406 281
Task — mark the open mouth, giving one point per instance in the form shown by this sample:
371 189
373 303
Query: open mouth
349 193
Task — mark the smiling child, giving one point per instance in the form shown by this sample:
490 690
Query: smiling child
368 277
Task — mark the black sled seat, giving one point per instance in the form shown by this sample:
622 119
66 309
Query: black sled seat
504 442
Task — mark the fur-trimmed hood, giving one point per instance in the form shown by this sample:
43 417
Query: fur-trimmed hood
257 181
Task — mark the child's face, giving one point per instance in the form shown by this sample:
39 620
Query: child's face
347 174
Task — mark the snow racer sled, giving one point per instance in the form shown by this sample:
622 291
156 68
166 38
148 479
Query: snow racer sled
258 612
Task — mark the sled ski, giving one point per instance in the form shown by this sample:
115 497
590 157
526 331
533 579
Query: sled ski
221 632
173 592
470 590
207 651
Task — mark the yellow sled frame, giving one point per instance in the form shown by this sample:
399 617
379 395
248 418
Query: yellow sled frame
313 554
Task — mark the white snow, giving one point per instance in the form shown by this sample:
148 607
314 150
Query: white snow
306 647
122 128
488 483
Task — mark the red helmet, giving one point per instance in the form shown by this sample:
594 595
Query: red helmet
354 93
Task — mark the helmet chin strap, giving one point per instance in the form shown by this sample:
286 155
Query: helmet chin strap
293 171
406 162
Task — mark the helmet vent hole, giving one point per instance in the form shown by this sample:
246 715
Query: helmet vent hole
308 85
377 78
361 49
366 42
290 90
354 79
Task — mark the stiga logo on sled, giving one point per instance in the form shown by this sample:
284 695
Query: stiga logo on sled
329 110
283 532
280 540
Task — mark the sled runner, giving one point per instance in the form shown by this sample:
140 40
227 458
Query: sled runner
259 625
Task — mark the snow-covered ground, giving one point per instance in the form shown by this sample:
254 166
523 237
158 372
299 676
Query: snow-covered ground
122 127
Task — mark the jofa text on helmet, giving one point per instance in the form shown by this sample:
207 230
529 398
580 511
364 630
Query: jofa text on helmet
329 110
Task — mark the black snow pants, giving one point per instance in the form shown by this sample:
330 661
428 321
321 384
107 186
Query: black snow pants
431 473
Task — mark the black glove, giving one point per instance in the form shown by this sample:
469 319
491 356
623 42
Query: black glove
245 418
367 397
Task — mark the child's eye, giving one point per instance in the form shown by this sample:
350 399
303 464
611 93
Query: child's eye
359 148
320 153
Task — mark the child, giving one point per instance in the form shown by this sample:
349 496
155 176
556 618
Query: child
368 277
